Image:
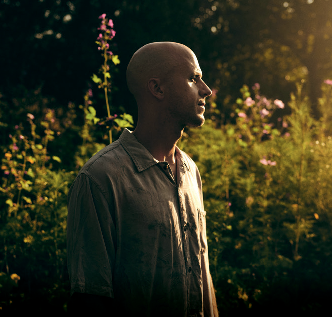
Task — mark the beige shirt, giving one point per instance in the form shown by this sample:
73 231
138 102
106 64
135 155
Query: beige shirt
135 235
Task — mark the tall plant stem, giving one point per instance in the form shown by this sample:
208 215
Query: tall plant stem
298 216
105 91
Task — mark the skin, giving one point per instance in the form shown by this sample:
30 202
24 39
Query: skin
166 81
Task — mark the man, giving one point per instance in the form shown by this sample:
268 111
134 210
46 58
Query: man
136 223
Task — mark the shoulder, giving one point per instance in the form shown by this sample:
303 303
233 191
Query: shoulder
106 165
110 158
188 161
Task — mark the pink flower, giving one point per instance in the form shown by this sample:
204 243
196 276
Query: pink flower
103 16
285 124
256 86
264 112
7 172
287 135
90 92
266 102
15 148
109 52
31 116
102 27
264 161
279 103
249 102
100 36
21 137
16 127
242 115
110 23
265 131
112 33
10 136
107 45
328 81
279 119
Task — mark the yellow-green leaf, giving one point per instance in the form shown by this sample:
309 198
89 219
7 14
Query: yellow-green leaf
27 199
96 79
115 59
56 158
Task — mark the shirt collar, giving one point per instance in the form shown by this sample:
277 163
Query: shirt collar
141 157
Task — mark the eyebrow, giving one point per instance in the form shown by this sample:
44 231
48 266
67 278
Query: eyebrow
197 74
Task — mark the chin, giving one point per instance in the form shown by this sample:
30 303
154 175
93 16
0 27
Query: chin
197 123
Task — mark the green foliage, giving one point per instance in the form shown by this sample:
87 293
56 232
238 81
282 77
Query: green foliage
33 196
268 202
33 213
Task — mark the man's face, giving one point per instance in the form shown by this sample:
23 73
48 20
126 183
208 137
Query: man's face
186 92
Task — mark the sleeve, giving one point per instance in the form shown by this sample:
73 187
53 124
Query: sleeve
90 239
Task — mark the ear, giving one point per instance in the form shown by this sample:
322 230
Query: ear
155 88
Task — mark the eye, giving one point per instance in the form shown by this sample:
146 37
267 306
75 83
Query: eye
194 79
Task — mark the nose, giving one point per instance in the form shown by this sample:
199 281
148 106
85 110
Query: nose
205 91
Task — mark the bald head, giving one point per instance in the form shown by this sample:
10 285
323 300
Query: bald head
154 60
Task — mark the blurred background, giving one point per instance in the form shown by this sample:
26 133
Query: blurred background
264 152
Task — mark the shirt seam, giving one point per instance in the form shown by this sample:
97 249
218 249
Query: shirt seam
90 177
109 150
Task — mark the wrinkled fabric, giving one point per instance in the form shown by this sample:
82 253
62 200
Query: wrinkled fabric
136 235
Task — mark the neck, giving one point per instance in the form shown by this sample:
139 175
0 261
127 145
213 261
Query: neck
159 139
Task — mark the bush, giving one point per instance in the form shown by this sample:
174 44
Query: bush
267 195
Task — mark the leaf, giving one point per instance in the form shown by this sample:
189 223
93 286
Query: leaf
128 117
122 123
96 79
242 143
56 158
27 199
30 173
115 59
230 131
107 75
92 110
9 202
39 146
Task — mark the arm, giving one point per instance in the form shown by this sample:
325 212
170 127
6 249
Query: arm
90 244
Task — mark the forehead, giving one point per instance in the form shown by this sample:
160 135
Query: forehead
188 64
